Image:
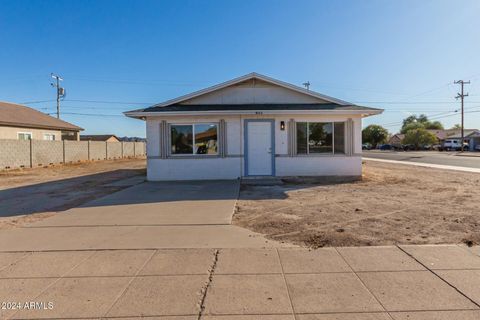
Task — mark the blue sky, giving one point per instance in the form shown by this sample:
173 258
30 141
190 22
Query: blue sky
402 56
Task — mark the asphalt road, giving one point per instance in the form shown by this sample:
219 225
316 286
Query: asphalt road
442 158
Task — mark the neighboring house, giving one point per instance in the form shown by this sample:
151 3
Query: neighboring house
396 139
100 137
474 140
24 123
253 126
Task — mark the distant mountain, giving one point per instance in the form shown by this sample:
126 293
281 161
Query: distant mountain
132 139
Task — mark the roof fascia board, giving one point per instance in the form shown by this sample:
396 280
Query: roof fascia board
38 126
250 112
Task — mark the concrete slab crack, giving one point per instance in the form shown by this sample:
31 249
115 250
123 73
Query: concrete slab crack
438 276
204 290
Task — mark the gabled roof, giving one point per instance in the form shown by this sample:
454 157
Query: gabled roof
17 115
175 106
246 77
97 137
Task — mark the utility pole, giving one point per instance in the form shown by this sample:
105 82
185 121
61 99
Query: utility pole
60 91
462 96
307 85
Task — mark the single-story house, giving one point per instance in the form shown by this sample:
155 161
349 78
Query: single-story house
99 137
24 123
253 126
396 139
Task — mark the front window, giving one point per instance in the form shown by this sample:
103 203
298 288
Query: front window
320 137
49 136
24 136
198 138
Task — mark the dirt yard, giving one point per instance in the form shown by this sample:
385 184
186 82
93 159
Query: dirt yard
394 204
32 194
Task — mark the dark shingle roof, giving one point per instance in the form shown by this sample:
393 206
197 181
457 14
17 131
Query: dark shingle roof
254 107
17 115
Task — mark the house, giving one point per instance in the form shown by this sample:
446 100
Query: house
100 137
396 139
253 126
474 140
24 123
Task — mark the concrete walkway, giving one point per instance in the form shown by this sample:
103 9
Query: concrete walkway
408 282
148 215
427 165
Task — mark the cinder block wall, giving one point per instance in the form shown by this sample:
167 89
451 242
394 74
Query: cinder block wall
140 149
34 153
114 150
128 149
14 154
98 150
46 152
76 151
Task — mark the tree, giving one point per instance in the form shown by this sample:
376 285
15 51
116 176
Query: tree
457 126
374 134
417 122
436 125
419 137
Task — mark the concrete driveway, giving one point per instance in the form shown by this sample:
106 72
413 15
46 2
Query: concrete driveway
148 215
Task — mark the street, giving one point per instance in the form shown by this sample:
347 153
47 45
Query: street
433 157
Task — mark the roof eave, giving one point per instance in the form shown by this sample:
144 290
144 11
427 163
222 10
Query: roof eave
143 114
35 126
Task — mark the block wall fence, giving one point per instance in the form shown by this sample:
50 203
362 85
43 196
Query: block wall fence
36 153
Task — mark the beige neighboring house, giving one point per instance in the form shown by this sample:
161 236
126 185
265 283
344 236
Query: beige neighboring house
396 139
23 123
99 137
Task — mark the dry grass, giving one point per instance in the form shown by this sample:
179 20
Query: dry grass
394 204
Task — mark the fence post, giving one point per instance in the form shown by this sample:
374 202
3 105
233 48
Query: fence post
134 153
88 150
31 153
122 148
63 151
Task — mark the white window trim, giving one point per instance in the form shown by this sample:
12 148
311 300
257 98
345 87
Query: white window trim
50 135
324 154
193 154
24 132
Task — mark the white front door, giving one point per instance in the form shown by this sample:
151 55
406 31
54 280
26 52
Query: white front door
259 149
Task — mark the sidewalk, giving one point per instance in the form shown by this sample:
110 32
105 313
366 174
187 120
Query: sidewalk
407 282
428 165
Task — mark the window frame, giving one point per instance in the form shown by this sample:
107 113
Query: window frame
324 154
24 133
193 154
52 135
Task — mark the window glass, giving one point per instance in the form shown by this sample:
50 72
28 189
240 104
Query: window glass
24 136
339 137
205 138
49 136
301 138
320 137
181 139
